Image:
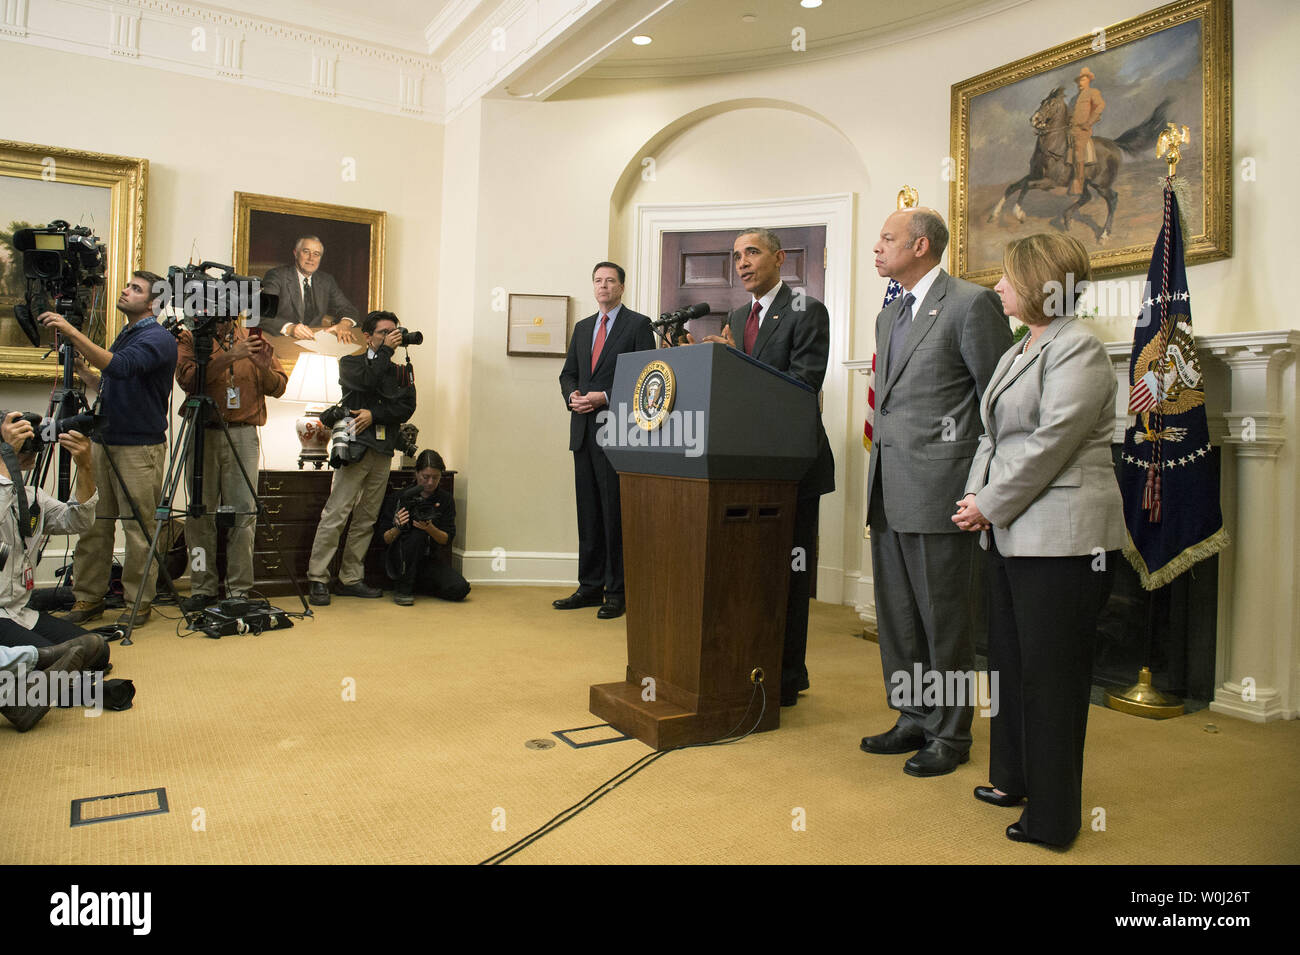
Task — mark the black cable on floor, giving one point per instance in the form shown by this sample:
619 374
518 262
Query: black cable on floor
619 778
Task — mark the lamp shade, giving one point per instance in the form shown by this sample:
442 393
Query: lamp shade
315 380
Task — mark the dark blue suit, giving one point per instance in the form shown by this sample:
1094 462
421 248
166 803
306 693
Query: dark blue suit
600 524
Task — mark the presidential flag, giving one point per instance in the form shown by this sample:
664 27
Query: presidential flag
1167 472
892 291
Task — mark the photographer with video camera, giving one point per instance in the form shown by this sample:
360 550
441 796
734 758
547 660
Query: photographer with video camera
378 396
241 374
24 527
134 380
415 522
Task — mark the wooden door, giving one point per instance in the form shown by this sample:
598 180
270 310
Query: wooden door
696 267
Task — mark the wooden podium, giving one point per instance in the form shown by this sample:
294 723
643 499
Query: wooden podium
708 520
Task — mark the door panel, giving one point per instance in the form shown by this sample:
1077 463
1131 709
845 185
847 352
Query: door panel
697 268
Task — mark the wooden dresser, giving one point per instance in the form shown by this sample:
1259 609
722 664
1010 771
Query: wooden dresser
294 501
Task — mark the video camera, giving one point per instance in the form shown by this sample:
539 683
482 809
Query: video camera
200 300
60 263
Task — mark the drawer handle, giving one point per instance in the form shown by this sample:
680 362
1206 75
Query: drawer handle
272 565
273 487
272 509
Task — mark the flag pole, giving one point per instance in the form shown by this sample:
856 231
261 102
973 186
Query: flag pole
1143 699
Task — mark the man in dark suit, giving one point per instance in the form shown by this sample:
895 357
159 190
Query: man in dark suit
790 331
307 295
585 382
936 348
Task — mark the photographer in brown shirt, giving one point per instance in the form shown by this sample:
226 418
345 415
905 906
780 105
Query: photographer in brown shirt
241 374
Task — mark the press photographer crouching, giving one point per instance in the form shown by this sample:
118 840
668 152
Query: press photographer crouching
38 640
415 522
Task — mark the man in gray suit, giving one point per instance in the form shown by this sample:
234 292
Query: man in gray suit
307 295
936 347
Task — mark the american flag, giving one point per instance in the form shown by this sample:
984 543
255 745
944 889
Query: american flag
1145 395
892 291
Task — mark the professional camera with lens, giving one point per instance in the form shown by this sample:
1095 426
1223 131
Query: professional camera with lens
205 299
410 338
420 509
46 431
61 263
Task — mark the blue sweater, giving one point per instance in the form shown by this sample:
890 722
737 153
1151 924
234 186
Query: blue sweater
136 384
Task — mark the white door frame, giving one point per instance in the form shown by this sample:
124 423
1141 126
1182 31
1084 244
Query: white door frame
834 211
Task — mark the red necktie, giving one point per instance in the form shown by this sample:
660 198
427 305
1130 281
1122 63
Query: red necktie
600 343
751 328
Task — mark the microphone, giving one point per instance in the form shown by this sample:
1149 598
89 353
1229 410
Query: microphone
684 314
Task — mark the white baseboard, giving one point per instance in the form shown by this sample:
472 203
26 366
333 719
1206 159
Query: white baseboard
519 568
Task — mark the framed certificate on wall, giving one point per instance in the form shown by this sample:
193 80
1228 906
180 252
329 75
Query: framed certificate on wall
538 326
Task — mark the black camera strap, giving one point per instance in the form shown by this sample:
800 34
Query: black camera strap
27 517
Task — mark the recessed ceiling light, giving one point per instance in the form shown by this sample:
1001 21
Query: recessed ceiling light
810 4
748 18
642 40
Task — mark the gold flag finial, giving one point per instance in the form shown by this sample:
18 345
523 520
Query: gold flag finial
1171 137
907 198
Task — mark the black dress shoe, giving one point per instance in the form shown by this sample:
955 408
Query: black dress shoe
935 759
318 594
611 608
789 697
359 589
1016 834
994 798
896 741
578 599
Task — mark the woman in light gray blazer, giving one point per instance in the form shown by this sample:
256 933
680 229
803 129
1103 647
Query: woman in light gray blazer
1042 491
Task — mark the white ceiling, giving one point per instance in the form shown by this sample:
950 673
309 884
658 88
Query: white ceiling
710 35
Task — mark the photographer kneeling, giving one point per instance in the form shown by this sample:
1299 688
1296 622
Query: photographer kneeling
416 521
25 525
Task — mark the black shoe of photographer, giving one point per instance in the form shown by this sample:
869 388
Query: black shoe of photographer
319 594
404 599
25 717
359 589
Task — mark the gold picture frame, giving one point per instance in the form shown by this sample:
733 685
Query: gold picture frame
266 228
50 182
1172 64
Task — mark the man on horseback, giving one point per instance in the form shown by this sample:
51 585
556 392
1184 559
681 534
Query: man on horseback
1084 113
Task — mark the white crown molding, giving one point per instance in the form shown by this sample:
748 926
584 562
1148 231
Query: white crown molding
218 44
450 20
778 56
15 18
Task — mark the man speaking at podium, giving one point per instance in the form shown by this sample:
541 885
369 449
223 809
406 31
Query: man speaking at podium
790 331
586 381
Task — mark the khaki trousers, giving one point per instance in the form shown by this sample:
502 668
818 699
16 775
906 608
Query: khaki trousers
224 484
141 467
358 490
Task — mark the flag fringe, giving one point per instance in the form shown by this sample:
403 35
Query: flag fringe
1183 562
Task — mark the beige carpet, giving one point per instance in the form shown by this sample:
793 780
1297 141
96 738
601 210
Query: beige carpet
265 761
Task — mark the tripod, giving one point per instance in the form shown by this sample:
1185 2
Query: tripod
197 411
